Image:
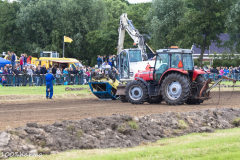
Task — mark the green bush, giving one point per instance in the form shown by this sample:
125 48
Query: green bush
217 62
206 63
196 62
236 63
226 63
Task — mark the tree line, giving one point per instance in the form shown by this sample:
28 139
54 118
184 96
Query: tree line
31 26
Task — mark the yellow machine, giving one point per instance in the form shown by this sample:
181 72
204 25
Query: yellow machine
104 86
50 58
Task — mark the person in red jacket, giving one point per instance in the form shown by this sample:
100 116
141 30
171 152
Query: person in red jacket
21 62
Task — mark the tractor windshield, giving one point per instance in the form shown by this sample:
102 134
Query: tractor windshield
135 55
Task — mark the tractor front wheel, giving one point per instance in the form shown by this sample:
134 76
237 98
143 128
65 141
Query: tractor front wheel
136 92
175 89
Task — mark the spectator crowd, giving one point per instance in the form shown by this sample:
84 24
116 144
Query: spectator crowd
29 70
222 71
102 61
22 68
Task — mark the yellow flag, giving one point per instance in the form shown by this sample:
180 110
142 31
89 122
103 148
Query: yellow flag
67 39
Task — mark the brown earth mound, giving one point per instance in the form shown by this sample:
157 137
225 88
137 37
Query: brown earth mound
112 132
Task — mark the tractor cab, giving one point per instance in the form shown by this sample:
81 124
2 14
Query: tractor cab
169 61
172 59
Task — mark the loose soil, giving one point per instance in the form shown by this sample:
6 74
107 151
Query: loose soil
18 113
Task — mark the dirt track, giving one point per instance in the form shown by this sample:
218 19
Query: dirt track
14 114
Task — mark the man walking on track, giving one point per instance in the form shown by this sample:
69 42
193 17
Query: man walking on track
49 86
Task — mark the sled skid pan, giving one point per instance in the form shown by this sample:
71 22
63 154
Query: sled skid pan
121 90
207 89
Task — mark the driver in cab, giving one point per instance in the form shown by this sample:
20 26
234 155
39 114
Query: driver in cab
176 61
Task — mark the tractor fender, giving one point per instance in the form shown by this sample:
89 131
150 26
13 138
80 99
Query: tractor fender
142 80
197 72
172 70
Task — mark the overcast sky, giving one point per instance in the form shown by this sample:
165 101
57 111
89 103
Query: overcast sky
138 1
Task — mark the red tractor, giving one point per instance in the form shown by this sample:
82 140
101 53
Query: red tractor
173 79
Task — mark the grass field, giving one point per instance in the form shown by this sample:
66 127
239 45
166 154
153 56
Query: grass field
230 83
221 145
26 90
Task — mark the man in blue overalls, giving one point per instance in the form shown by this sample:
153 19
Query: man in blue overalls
49 86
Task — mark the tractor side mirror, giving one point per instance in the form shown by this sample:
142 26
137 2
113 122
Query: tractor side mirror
150 68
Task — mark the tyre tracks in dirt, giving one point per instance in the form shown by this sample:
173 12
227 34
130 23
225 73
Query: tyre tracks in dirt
18 113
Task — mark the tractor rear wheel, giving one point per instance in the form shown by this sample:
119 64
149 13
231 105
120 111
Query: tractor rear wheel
200 82
123 99
175 89
136 92
154 100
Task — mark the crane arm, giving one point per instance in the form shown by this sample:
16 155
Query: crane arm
127 25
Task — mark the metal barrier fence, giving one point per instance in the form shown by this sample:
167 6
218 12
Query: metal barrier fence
39 80
67 79
215 76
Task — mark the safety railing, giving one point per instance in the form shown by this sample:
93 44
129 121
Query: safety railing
215 76
39 80
69 79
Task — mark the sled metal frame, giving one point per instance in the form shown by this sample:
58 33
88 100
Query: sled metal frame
207 89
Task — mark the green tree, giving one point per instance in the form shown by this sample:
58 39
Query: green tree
162 18
115 8
10 38
136 13
37 21
103 41
78 18
126 1
232 24
203 23
44 23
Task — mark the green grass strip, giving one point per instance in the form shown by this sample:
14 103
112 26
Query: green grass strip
28 90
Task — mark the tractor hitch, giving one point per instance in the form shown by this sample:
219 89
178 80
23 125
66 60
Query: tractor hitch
205 91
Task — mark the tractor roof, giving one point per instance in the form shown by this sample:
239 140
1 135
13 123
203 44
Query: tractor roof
174 50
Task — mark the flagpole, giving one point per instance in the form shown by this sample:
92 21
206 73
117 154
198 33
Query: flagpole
63 47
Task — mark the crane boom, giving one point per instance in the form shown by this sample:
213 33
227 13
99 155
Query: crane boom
127 25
